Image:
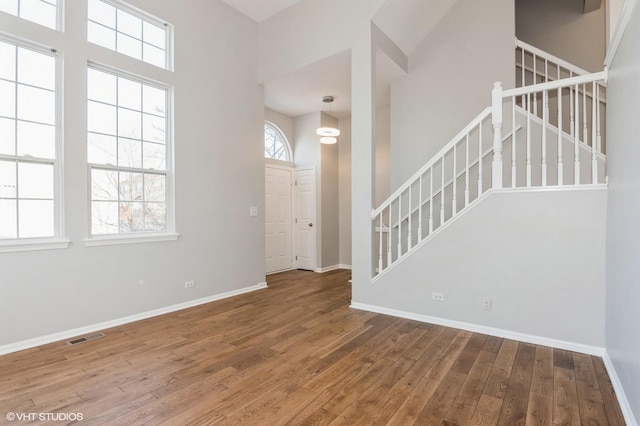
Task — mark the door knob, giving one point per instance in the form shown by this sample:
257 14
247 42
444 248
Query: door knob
310 225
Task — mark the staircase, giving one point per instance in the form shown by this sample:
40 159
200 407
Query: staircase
547 133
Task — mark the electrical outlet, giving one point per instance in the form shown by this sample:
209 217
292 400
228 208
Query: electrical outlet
189 284
437 296
486 304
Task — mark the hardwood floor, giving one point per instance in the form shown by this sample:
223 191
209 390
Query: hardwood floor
295 353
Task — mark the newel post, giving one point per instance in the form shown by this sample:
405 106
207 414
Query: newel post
496 121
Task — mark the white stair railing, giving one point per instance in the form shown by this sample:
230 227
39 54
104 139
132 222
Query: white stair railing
461 172
454 178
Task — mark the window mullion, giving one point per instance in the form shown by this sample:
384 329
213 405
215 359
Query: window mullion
15 135
142 162
17 203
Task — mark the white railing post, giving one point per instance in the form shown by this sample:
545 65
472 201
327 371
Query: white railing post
496 121
380 264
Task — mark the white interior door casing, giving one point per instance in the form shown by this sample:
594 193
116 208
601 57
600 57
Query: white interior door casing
305 225
278 218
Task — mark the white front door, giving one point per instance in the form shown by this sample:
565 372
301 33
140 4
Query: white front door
305 219
278 223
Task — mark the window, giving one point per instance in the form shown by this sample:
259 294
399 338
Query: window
128 153
43 12
128 31
29 198
276 146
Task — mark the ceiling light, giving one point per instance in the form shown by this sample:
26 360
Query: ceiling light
328 131
329 140
328 134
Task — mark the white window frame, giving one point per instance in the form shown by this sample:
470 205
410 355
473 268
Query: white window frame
144 16
59 23
138 237
285 141
58 240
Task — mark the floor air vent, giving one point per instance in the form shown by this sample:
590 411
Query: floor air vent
85 339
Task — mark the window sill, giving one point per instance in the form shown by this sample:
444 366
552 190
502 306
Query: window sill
111 240
33 245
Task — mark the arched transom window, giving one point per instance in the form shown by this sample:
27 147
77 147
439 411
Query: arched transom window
276 146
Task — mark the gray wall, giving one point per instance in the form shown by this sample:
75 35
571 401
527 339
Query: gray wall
344 172
219 165
539 256
383 155
451 74
329 200
623 232
562 29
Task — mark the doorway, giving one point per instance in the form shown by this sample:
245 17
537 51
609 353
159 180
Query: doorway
305 221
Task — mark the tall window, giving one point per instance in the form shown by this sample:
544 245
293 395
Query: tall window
29 199
276 146
43 12
128 152
129 32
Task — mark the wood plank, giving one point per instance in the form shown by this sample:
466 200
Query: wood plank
609 398
464 405
487 411
565 397
498 379
590 401
542 378
366 406
540 410
516 400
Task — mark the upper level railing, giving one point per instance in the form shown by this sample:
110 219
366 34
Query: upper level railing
534 66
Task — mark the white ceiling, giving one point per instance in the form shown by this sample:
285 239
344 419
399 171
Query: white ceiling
259 10
407 22
301 91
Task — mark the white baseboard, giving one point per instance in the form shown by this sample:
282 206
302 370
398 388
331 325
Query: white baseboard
332 268
491 331
64 335
617 386
279 271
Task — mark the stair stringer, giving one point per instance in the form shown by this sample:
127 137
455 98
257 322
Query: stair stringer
534 252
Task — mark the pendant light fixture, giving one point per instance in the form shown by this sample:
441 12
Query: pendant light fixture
328 135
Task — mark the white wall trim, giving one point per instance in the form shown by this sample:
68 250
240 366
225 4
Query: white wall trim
63 335
137 238
32 245
491 331
617 386
332 268
621 26
279 271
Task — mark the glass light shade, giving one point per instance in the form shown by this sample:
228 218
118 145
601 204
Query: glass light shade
328 131
329 140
